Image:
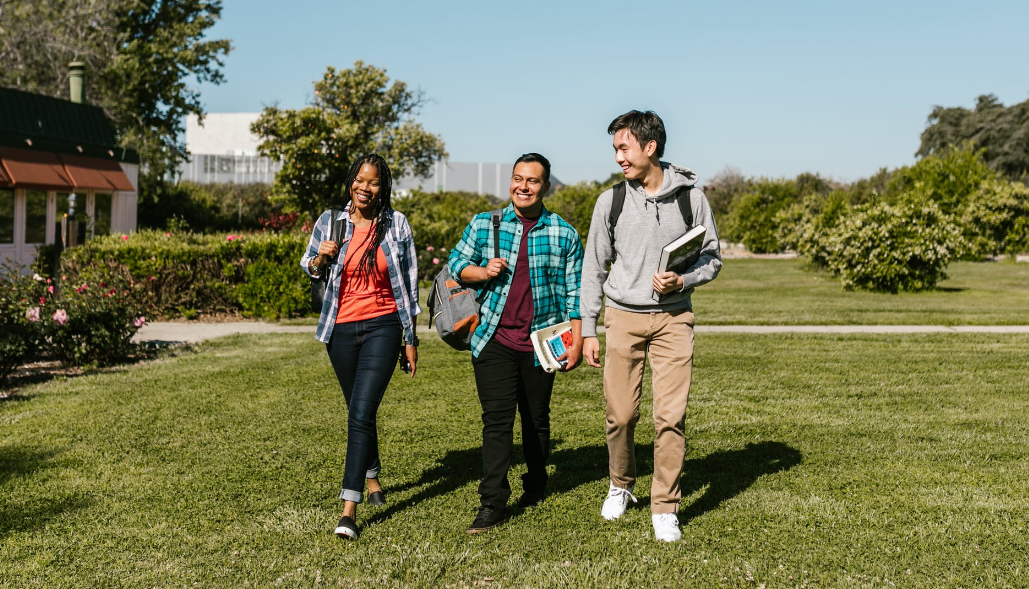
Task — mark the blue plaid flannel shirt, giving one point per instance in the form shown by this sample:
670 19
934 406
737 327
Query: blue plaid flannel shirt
555 268
401 260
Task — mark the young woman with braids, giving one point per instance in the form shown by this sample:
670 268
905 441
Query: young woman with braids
367 316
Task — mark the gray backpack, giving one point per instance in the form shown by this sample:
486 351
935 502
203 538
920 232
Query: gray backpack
452 306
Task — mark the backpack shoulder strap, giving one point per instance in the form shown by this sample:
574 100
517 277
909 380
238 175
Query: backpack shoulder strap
684 205
495 215
617 201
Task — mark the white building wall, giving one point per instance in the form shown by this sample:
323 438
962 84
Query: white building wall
222 133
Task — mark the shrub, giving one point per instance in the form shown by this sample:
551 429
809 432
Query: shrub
574 203
206 207
887 248
947 179
186 273
438 218
991 216
18 339
803 226
752 220
92 324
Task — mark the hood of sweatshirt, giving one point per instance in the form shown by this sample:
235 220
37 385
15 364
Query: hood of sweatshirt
678 178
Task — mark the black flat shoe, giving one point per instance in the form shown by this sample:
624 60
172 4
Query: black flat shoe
487 518
346 529
378 498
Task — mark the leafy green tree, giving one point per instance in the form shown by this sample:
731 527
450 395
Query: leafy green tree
355 111
575 202
141 57
1001 132
947 178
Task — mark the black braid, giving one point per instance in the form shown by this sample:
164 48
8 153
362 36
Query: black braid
383 209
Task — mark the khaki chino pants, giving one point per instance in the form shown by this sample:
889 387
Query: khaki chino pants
668 339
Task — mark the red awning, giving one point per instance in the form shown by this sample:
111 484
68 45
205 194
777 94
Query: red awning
4 180
39 169
89 172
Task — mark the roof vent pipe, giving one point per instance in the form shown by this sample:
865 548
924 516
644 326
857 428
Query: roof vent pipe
76 75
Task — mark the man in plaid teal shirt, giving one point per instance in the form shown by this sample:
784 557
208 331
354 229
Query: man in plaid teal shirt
533 284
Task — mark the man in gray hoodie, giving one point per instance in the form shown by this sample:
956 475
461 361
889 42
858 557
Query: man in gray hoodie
635 324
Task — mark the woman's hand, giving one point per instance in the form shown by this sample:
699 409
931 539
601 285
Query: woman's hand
411 353
328 248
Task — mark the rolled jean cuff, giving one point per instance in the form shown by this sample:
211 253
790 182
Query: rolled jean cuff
372 473
348 495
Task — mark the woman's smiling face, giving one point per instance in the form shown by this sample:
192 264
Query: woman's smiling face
364 192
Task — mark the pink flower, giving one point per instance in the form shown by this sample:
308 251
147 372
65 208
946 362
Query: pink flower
435 260
82 288
430 248
167 234
139 321
32 314
60 317
124 237
442 249
231 237
50 288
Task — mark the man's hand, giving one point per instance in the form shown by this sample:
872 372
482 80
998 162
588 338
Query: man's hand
591 351
667 282
573 355
494 268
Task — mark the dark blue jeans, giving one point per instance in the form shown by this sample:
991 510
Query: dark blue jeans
363 354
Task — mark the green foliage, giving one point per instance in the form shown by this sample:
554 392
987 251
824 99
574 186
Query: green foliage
802 226
92 323
438 220
207 207
355 112
144 59
1002 133
991 216
752 220
574 203
724 191
946 178
208 274
17 337
888 248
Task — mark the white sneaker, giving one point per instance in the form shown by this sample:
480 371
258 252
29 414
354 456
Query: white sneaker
666 527
616 503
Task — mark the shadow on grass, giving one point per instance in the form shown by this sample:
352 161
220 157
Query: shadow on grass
724 474
34 512
728 473
573 467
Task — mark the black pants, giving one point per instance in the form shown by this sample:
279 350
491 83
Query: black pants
508 380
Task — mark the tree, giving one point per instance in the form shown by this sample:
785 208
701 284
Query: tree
139 54
1001 132
355 112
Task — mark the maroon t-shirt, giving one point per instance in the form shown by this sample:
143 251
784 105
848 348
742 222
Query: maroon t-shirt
516 320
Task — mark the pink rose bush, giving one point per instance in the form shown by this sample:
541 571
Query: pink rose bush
430 262
90 321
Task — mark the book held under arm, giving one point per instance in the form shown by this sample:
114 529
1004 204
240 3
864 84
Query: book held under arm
550 343
681 254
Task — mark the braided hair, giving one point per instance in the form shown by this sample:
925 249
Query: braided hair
383 211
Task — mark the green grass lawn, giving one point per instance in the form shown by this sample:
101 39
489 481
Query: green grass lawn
813 461
782 292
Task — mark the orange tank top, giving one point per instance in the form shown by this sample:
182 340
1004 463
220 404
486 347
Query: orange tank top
363 294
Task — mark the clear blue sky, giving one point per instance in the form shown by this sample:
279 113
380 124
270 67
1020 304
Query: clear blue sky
771 88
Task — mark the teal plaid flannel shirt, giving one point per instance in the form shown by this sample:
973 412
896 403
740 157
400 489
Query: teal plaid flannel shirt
555 269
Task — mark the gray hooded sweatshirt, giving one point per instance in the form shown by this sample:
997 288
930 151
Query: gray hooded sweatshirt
645 225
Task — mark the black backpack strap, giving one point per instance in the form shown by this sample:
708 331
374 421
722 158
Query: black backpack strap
684 205
617 201
495 215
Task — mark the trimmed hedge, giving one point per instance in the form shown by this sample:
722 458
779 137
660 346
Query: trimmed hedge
188 274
